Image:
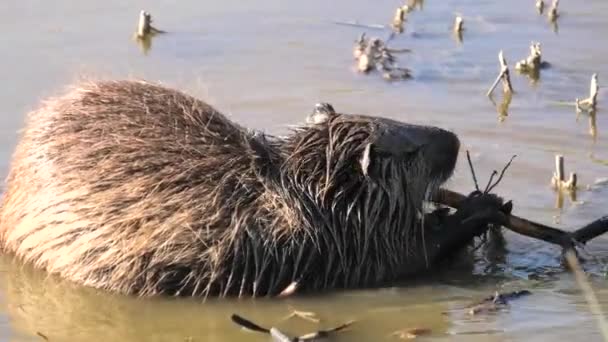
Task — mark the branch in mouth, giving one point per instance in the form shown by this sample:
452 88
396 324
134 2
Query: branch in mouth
532 229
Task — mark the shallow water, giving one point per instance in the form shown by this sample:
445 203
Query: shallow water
266 63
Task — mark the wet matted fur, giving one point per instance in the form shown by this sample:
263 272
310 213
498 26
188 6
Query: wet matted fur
137 188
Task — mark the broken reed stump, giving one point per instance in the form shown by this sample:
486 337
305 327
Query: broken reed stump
590 102
410 334
593 90
533 62
458 24
553 11
561 185
145 31
503 75
458 28
144 26
567 240
399 19
558 181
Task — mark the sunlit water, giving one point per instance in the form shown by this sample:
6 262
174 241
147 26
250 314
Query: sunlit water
265 64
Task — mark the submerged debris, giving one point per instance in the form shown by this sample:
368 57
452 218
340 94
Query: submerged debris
410 334
305 315
458 28
43 336
279 336
496 302
395 74
558 181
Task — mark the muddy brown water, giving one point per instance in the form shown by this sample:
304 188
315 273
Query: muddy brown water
266 63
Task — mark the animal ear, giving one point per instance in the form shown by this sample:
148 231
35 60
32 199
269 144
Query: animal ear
263 157
317 118
322 112
366 159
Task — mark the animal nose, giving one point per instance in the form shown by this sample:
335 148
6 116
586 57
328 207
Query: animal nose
441 152
439 147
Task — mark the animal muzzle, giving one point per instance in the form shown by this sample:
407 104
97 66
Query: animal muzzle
436 148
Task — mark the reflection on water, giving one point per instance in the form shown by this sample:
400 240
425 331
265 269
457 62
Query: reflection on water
265 64
458 37
560 195
591 119
532 75
502 108
145 43
593 124
554 25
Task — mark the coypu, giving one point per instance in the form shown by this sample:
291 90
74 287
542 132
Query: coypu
136 188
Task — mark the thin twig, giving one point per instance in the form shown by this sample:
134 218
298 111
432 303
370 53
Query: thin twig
502 173
354 23
278 335
494 174
472 171
553 14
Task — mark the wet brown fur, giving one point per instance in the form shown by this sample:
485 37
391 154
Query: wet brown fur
136 188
